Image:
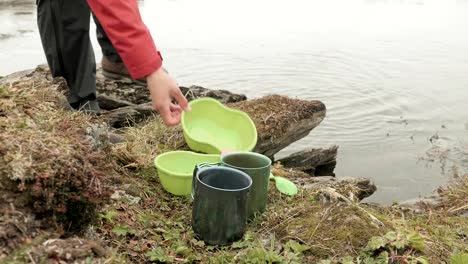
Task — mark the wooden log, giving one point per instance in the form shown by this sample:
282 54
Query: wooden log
138 93
281 120
110 102
194 91
129 115
354 188
313 161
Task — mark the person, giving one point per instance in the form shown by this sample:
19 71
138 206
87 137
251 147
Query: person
127 46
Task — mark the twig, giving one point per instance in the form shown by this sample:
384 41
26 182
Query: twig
342 197
31 258
283 222
451 210
324 216
293 237
191 92
324 247
429 218
268 117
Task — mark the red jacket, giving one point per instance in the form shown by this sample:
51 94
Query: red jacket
123 25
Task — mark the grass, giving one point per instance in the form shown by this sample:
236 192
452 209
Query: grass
47 165
298 229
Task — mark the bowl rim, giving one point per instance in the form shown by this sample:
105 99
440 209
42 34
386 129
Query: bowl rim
219 104
249 153
158 166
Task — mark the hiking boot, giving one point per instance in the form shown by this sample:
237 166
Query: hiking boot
117 71
88 107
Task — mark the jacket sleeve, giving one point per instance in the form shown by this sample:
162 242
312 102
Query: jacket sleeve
123 25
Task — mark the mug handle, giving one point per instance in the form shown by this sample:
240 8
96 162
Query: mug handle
195 172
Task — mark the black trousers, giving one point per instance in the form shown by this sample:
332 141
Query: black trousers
64 29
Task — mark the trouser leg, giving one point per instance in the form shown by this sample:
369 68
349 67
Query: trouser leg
64 30
107 48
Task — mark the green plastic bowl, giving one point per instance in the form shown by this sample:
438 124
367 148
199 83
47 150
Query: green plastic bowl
212 127
175 169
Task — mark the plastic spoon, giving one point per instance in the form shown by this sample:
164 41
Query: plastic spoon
284 185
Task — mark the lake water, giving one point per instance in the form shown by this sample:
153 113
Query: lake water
393 74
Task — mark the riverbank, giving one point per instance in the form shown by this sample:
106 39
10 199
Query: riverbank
82 189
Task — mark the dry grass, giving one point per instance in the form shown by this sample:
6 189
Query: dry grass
455 196
146 141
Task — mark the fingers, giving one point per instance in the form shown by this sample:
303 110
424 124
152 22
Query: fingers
226 151
180 98
170 118
175 108
170 113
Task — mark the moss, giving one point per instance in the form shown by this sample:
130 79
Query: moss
47 166
3 91
445 234
274 114
334 230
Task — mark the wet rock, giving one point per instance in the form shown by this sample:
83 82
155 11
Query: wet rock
98 135
129 115
418 203
138 93
314 161
110 102
101 136
124 90
223 96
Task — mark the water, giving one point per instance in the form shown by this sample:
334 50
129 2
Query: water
393 74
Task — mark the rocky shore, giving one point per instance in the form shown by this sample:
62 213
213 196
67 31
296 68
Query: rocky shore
82 189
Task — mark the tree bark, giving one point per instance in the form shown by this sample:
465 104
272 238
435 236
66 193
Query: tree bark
313 161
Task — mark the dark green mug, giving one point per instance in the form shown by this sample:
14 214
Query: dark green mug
219 213
258 167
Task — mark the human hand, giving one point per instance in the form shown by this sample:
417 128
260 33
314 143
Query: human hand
162 90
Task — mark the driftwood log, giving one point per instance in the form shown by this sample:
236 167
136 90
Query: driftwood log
314 161
354 188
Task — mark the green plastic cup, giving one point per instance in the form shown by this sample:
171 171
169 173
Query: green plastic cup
258 167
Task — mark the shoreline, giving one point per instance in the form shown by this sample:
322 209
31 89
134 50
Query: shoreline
114 209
